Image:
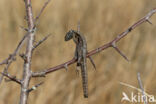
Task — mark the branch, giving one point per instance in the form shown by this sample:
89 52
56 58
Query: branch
12 78
11 57
41 11
28 53
41 41
105 46
8 61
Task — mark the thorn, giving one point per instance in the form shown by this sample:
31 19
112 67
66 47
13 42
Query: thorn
23 28
66 67
116 48
149 21
91 60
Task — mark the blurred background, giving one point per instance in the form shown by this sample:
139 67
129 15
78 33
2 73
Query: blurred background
101 21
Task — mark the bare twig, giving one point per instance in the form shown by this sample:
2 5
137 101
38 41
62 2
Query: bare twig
41 41
105 46
42 9
142 88
34 87
12 78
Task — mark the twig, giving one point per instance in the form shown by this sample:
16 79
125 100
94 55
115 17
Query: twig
92 62
8 61
141 87
34 87
105 46
42 9
44 72
41 41
12 78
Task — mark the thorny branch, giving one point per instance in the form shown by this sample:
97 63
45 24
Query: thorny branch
27 72
12 57
105 46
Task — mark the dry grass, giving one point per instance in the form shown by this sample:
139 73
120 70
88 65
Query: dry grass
101 21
